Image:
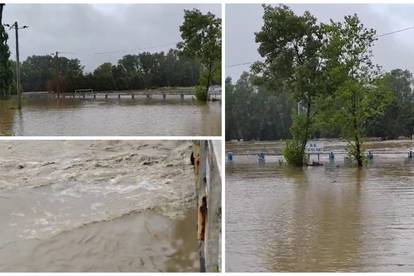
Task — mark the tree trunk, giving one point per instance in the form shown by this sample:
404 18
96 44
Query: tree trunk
208 78
307 127
358 155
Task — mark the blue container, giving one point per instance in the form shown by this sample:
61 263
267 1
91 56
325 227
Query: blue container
230 156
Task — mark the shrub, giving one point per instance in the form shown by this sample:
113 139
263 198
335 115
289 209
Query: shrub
293 153
201 93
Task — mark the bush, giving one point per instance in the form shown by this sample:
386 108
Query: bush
293 153
201 93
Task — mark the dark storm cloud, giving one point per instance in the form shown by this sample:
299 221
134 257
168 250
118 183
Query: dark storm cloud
394 51
97 33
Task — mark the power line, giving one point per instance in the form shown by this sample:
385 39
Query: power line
381 35
118 51
240 64
397 31
139 49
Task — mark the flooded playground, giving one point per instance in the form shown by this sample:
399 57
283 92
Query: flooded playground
326 218
97 206
44 115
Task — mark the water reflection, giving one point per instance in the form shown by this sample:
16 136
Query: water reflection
320 219
7 113
186 245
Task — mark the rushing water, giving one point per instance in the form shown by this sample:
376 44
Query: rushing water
97 206
45 115
330 218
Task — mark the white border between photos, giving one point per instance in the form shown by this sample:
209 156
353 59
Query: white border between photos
221 138
210 2
90 138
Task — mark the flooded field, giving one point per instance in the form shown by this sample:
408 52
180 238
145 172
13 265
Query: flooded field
329 218
45 115
97 206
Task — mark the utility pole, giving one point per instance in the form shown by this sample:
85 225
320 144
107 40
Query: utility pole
18 88
19 91
57 74
1 12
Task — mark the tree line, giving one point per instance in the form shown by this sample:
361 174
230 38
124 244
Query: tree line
195 62
141 71
317 80
255 113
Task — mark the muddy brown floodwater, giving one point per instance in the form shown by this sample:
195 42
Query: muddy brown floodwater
330 218
45 115
97 206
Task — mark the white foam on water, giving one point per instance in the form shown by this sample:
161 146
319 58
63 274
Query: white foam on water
84 181
17 214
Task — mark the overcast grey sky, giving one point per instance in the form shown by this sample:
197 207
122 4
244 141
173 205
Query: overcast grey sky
89 32
393 51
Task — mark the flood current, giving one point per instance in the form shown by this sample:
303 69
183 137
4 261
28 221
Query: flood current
97 206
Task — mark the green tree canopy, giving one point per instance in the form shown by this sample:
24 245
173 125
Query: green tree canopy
201 34
6 75
398 117
291 46
357 95
327 70
145 70
255 113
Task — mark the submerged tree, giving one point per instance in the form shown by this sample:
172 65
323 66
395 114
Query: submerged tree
201 34
291 46
358 95
6 75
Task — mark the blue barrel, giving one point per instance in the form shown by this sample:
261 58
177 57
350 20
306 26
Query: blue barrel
230 156
261 157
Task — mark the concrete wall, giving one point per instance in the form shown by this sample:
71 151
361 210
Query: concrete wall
208 171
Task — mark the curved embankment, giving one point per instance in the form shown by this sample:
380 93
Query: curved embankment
97 206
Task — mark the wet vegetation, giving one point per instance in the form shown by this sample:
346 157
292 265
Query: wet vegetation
317 80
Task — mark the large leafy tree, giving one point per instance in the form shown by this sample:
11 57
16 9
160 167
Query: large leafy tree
104 79
358 94
6 75
37 71
201 34
291 47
